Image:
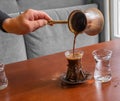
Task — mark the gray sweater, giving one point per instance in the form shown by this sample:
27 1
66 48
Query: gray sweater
3 16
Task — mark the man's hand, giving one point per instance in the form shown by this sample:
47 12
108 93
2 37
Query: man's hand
27 22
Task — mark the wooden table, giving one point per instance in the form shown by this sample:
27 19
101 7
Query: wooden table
38 79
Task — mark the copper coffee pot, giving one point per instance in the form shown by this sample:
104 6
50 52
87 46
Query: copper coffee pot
90 21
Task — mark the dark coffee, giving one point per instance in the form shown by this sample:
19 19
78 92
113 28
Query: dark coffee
74 72
74 59
74 41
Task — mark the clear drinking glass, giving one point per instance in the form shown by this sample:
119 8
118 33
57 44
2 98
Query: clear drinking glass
3 78
102 71
74 73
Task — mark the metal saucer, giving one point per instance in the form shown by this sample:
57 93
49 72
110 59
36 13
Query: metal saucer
64 80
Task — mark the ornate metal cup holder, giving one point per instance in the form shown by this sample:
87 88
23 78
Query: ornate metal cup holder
87 75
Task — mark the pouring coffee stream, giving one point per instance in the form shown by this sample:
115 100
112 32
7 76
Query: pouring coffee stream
91 22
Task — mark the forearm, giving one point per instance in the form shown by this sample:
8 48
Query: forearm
3 17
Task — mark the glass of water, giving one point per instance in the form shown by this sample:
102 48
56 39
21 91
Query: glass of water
102 71
3 78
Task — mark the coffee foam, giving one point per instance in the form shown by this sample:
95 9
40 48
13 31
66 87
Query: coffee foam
74 57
